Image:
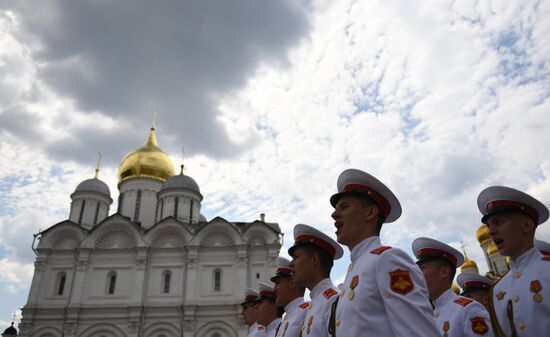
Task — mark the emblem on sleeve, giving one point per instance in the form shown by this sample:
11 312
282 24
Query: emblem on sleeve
479 326
400 281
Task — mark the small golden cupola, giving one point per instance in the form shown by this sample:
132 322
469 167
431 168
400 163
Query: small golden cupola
149 161
469 266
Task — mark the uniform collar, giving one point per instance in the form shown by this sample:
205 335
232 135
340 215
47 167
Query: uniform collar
273 325
295 303
366 245
253 327
320 288
525 259
448 296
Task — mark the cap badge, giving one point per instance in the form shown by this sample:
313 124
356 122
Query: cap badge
400 281
352 285
535 288
479 326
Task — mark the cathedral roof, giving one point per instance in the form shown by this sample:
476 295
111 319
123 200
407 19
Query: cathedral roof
93 185
149 161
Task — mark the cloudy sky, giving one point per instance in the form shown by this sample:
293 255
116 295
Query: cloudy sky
272 100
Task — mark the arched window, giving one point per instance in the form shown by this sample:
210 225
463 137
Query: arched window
166 277
96 213
176 205
61 278
81 212
111 282
138 205
217 280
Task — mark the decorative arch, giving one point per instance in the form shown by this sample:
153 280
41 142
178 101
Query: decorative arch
258 235
217 238
102 329
216 327
160 329
63 237
168 236
116 237
48 331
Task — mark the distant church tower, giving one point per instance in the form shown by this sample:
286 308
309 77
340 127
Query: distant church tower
155 268
496 262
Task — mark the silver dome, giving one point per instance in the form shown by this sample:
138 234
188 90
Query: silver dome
93 185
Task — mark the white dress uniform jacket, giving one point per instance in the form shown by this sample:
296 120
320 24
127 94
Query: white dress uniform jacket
525 289
459 316
256 330
293 318
384 295
272 328
317 317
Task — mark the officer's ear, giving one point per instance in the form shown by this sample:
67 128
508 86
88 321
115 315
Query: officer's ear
528 225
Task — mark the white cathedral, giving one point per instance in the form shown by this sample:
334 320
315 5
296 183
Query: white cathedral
155 268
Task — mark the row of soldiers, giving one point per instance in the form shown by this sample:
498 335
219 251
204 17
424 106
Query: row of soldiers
385 293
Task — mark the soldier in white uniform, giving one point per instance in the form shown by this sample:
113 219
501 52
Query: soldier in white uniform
269 314
313 255
250 313
384 293
475 286
456 316
519 302
289 296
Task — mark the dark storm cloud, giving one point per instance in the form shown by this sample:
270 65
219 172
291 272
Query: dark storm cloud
126 58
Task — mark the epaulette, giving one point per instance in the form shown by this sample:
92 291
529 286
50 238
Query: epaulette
380 250
545 258
329 293
304 305
463 301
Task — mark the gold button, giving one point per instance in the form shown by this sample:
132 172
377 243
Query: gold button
516 298
517 274
337 322
522 325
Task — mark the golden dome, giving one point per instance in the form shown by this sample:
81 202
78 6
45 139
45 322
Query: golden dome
492 249
468 264
482 234
456 288
146 162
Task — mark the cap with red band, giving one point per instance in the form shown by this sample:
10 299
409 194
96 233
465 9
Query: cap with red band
353 182
426 249
500 199
307 235
250 296
283 269
266 291
470 281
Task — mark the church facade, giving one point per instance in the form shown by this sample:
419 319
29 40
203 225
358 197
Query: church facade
154 268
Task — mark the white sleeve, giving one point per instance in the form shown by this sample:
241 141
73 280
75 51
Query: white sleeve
403 290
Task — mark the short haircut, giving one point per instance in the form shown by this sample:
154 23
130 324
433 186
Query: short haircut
326 260
366 201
